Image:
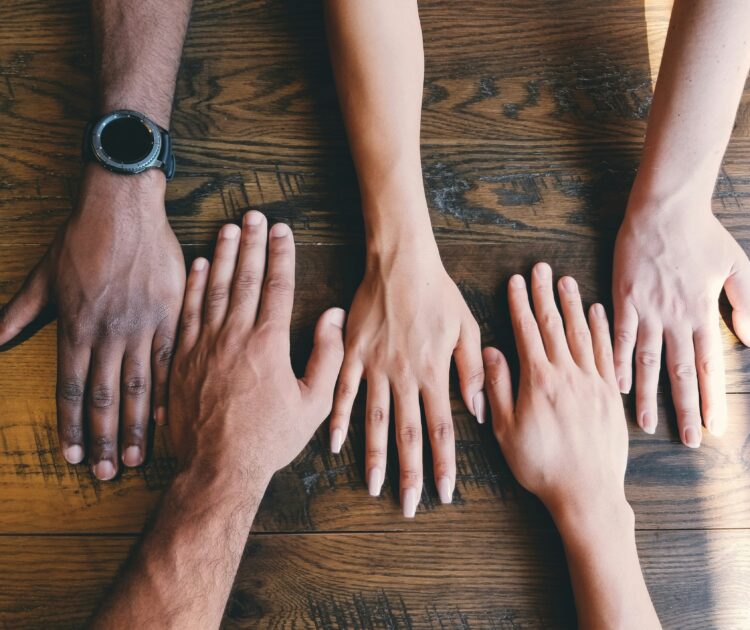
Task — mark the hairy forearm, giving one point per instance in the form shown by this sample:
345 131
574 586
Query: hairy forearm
138 45
182 573
701 78
608 585
378 62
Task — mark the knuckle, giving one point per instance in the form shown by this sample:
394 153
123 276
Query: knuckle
278 284
624 336
71 433
102 397
347 389
551 320
135 386
527 323
709 366
580 333
376 417
683 371
135 432
647 358
442 431
164 352
538 377
375 452
402 367
410 434
218 293
475 377
70 391
103 444
248 280
410 476
190 320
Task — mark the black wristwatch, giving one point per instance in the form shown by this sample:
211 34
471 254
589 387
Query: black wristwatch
128 142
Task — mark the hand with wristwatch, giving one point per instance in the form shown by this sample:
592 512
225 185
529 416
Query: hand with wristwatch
115 276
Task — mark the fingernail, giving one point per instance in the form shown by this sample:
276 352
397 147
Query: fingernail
230 231
73 454
337 439
599 310
692 437
647 422
569 284
543 270
199 264
132 456
478 402
517 281
445 490
104 470
280 230
717 425
374 481
409 502
337 317
253 218
160 416
623 384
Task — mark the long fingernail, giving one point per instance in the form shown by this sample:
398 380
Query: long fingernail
104 470
409 502
647 422
445 490
479 406
374 481
73 454
624 385
337 439
132 456
692 437
160 416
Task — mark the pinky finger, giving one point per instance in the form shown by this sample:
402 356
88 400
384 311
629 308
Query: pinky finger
161 359
626 326
192 306
346 392
602 343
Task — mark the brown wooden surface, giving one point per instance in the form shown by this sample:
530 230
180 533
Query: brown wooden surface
533 120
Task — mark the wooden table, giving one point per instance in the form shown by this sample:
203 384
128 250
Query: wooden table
534 115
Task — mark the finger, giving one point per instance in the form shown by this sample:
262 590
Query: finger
626 326
737 288
547 316
647 365
682 377
576 328
325 359
278 290
409 444
27 304
162 351
103 410
248 278
499 389
525 329
192 305
468 357
136 388
72 369
343 401
437 408
220 278
602 344
377 419
709 358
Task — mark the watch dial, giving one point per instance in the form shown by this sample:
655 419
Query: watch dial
126 140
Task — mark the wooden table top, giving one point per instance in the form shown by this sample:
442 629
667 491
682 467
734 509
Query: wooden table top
533 121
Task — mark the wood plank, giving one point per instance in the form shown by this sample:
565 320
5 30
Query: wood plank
670 486
484 579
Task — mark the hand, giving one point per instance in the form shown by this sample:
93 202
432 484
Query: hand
235 404
669 270
115 273
566 439
406 320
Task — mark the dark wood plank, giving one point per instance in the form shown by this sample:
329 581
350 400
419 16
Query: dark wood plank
483 579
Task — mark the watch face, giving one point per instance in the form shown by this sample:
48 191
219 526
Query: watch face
126 141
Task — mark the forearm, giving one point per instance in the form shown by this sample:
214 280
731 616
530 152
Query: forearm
604 569
139 45
701 78
182 573
378 62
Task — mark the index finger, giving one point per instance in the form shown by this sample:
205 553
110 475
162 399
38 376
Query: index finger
525 329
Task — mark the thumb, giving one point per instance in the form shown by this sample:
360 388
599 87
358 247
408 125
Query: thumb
25 305
499 389
325 361
737 288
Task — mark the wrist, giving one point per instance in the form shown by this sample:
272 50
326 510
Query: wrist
142 194
654 197
586 522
